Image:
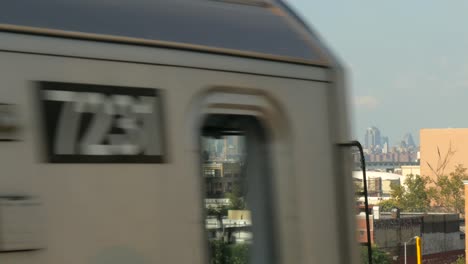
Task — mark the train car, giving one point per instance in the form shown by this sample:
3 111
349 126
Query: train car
107 109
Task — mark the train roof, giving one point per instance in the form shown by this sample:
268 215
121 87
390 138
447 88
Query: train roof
253 28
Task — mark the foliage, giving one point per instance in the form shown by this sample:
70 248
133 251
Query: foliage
413 198
358 188
447 191
218 248
235 198
358 191
219 211
239 254
442 163
388 205
460 260
224 253
378 256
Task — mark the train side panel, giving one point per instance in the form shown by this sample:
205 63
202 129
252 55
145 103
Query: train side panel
152 213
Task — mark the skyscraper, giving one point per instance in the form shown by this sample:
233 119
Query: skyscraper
385 140
408 138
372 138
385 147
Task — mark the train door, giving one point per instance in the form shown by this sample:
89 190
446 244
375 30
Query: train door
239 178
238 199
280 136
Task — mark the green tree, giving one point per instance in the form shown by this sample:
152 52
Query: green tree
460 260
236 201
358 188
218 252
218 211
225 253
447 191
388 205
238 254
358 192
413 198
378 256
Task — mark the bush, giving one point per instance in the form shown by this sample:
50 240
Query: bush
217 211
224 253
460 260
388 205
238 254
378 256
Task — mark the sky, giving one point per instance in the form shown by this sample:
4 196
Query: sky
406 61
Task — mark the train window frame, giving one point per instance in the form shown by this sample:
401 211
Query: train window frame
259 176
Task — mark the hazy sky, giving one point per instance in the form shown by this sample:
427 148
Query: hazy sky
407 60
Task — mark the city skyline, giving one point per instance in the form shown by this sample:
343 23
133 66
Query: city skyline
400 78
380 138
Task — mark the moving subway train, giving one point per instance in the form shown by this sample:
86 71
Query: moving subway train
170 131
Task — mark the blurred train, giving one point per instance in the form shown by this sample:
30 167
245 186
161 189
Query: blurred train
104 107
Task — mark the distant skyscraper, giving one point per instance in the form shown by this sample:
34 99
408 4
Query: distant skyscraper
372 138
385 147
408 138
385 140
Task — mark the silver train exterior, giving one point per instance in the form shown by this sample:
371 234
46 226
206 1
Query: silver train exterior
68 196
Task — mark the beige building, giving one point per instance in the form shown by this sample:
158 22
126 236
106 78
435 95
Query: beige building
220 178
450 142
387 186
378 183
239 215
409 170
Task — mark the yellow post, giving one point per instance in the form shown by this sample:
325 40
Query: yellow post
418 250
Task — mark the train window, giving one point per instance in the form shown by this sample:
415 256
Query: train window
238 210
